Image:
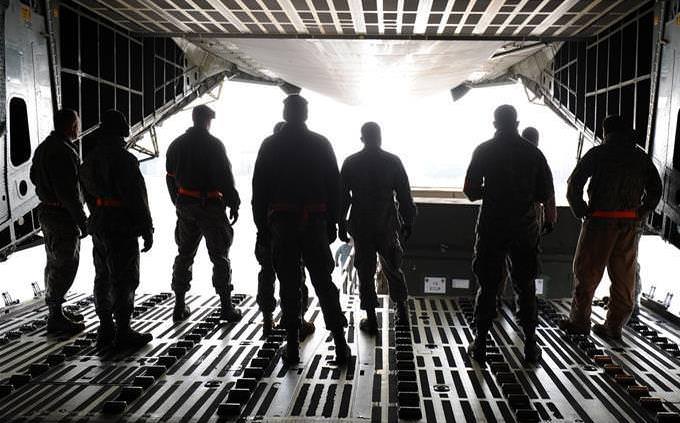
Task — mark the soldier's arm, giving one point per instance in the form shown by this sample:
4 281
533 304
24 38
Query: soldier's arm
474 178
546 190
402 187
332 178
653 188
132 189
345 197
63 173
260 201
170 169
582 172
228 185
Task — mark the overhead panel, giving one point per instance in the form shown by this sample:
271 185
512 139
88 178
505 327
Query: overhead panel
351 18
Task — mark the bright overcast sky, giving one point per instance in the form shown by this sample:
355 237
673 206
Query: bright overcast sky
433 136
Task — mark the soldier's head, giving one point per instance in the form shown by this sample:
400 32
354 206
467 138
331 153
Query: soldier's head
114 123
66 122
279 126
202 115
614 127
505 118
531 134
295 109
370 135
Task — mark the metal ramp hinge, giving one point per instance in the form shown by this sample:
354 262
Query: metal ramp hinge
9 301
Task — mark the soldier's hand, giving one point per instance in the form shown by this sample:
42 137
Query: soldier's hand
547 228
342 232
332 232
406 232
233 215
147 236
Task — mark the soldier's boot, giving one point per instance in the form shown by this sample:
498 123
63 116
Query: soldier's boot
370 323
181 310
128 338
306 330
106 332
604 331
72 315
342 351
291 351
227 310
58 323
532 351
267 323
572 328
402 313
477 348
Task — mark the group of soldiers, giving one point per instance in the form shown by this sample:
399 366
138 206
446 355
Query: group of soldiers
300 204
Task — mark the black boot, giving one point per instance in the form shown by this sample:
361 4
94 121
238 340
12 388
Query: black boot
306 330
227 310
370 323
291 351
181 311
128 338
267 323
342 351
58 323
106 332
402 313
477 348
532 352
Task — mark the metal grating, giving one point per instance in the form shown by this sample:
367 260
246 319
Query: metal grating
349 18
421 373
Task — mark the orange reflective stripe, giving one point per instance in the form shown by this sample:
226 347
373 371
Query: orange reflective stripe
615 214
198 194
108 202
172 175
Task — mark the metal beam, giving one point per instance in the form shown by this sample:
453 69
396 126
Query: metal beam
220 7
560 10
488 16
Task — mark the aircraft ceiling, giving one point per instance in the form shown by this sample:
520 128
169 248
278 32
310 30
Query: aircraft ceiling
350 48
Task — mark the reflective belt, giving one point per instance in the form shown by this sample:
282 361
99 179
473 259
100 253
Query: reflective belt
108 202
615 214
201 195
294 208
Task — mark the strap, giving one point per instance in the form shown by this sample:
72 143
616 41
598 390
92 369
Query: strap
51 203
615 214
108 202
199 194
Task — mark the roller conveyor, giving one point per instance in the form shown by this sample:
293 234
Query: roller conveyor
203 370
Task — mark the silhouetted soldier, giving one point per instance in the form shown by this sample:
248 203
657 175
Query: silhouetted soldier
531 134
624 188
116 195
370 180
509 175
266 278
295 200
54 173
201 186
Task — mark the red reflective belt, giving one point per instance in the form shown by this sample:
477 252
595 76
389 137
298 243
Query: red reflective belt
108 202
199 194
294 208
615 214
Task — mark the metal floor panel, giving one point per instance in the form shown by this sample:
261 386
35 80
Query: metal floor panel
204 371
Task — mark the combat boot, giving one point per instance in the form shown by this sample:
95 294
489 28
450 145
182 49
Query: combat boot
572 328
72 315
370 323
267 324
106 332
227 310
58 323
477 348
128 338
306 330
291 352
532 351
342 351
606 332
181 310
403 314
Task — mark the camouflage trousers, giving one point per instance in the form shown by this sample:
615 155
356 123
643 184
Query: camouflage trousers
62 245
116 263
